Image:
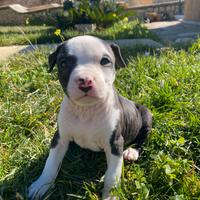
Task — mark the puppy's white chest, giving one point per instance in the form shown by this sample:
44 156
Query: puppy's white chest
92 132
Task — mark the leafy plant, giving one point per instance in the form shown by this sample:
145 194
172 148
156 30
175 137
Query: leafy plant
195 47
125 29
84 12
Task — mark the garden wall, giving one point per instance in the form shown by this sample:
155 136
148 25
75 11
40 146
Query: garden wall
162 11
17 15
38 15
139 2
29 3
192 10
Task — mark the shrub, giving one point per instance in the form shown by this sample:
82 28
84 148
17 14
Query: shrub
84 12
125 29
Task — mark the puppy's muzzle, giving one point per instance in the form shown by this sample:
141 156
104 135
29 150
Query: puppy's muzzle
85 84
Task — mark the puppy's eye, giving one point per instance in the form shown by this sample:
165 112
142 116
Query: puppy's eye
67 61
63 64
105 61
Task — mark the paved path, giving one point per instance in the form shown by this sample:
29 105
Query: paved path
175 31
6 52
168 31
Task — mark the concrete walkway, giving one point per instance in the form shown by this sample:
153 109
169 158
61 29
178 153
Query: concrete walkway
175 31
6 52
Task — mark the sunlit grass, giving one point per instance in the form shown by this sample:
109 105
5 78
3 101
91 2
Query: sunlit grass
168 83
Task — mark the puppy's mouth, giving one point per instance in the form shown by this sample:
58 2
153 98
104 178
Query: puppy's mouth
87 99
88 96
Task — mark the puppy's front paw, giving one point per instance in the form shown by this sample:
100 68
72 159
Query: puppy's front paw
37 189
131 154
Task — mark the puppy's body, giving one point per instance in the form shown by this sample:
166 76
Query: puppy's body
92 114
89 128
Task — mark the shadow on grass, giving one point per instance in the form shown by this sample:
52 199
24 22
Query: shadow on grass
80 167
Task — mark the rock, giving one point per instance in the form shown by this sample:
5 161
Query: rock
135 42
184 40
188 35
85 27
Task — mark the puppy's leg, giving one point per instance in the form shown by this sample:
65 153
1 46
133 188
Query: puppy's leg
132 154
146 117
50 171
114 156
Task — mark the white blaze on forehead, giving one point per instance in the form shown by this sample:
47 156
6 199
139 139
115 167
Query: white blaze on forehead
88 49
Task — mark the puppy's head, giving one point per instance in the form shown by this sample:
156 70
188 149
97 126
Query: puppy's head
86 68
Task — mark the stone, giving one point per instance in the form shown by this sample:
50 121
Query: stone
85 27
168 8
162 9
150 9
184 40
188 35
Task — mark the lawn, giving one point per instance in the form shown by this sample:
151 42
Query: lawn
167 82
18 35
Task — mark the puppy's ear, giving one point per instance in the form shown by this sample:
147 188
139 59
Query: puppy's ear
53 58
119 61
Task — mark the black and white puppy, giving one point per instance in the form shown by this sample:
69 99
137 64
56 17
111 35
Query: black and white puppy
92 114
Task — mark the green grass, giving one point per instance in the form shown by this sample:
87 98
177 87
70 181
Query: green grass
45 34
168 83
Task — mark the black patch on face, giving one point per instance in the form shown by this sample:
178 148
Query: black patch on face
66 63
116 143
135 121
55 139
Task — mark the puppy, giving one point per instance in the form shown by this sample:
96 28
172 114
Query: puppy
92 114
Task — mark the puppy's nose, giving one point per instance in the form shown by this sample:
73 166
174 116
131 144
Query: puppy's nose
85 84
